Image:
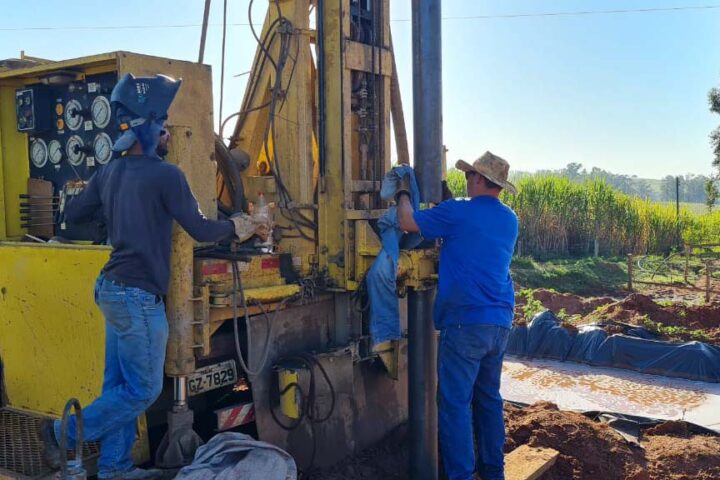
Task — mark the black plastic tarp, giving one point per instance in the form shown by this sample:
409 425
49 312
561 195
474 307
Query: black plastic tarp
635 349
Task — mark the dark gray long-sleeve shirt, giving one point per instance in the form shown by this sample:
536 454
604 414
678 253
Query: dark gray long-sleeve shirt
139 197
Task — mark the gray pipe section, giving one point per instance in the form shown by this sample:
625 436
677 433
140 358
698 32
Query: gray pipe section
428 153
427 97
422 385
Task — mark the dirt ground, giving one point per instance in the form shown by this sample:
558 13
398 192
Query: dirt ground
588 450
695 321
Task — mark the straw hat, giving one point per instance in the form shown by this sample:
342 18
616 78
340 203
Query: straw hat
491 167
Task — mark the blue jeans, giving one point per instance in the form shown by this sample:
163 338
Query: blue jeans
469 367
136 333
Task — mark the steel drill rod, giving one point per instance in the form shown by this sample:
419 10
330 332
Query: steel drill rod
427 98
428 153
422 385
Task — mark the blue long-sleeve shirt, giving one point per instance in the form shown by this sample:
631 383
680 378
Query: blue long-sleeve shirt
139 197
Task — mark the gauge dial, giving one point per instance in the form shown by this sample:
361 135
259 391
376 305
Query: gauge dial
38 152
55 152
100 111
103 148
73 115
75 151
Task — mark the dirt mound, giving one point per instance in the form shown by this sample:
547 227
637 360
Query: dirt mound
685 457
588 450
695 322
673 428
572 304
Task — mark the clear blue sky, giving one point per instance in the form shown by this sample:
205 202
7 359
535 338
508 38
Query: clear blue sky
624 92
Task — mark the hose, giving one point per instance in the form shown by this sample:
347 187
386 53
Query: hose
308 410
237 284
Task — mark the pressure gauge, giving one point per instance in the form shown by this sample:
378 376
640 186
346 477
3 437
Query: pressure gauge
75 150
100 111
103 148
55 153
38 152
73 115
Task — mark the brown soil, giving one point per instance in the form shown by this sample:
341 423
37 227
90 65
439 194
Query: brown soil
637 308
572 304
674 453
588 450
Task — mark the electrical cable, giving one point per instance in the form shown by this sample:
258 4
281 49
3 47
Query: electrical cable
308 408
254 33
237 285
399 20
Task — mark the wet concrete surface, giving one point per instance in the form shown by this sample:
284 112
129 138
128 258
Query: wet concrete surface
574 386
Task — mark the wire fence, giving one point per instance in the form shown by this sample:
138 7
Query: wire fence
696 268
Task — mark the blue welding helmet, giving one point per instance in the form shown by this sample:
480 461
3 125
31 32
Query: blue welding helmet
141 105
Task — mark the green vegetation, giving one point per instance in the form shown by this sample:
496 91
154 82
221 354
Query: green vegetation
587 276
675 332
532 306
561 218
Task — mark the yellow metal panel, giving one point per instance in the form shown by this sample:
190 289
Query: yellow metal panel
72 63
51 332
192 108
333 200
15 164
3 216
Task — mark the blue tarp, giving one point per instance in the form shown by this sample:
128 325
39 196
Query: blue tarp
381 277
635 349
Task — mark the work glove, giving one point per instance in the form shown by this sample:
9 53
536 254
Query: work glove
246 226
403 188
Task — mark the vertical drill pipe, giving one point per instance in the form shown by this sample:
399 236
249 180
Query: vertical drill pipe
427 98
422 386
203 35
428 153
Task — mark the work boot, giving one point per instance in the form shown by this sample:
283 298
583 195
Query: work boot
51 450
138 474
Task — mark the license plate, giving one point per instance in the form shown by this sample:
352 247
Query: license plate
212 377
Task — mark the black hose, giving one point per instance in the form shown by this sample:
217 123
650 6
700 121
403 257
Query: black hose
308 410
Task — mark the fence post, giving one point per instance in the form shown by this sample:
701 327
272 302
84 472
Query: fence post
708 275
630 272
688 248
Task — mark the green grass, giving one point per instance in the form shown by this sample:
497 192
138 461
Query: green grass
587 276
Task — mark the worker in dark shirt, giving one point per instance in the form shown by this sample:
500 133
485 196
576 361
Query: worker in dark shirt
139 196
473 311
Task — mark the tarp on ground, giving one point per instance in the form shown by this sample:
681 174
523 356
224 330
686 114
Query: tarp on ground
635 349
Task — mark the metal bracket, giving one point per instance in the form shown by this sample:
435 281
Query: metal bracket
201 319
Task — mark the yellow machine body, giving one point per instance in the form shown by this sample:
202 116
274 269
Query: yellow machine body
51 332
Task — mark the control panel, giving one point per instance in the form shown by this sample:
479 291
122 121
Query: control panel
70 133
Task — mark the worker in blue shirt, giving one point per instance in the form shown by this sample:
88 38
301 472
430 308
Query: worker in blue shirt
473 311
139 196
